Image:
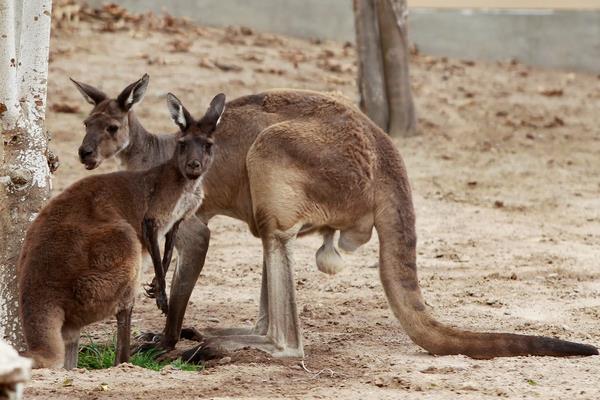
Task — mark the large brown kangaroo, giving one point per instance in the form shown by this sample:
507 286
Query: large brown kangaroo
82 255
292 162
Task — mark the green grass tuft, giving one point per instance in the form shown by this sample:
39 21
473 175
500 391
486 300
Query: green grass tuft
96 356
101 356
186 366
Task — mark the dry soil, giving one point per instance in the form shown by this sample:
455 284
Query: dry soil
506 184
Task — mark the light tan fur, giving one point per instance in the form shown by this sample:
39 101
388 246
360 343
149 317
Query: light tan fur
328 258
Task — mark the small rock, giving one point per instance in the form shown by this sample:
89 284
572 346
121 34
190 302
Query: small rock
167 369
380 382
225 360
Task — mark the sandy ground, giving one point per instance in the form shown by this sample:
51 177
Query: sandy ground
506 188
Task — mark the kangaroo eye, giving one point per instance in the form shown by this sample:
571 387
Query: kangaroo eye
208 147
112 129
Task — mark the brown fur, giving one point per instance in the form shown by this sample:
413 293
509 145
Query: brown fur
81 257
291 162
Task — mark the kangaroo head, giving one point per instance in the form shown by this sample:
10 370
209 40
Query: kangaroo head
193 153
107 125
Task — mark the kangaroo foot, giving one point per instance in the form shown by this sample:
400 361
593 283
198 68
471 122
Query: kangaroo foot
210 332
219 346
157 341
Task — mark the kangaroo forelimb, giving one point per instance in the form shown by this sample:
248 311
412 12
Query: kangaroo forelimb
167 256
150 238
169 245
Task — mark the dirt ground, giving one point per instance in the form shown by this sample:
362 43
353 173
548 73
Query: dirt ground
506 188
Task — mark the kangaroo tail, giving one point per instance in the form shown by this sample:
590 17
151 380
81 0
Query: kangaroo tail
395 225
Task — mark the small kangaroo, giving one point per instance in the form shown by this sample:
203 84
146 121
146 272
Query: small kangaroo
82 256
292 162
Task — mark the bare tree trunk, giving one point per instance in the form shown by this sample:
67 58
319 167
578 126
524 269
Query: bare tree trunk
392 15
371 87
24 172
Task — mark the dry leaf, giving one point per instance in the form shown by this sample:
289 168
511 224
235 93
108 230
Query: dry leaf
206 63
65 108
180 46
551 92
228 67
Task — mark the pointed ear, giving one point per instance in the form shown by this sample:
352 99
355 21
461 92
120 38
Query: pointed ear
90 93
178 112
212 117
133 93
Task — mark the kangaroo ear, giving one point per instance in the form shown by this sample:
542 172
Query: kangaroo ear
212 117
90 93
178 112
133 93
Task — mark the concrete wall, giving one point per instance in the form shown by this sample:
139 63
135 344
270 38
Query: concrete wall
555 39
562 4
330 19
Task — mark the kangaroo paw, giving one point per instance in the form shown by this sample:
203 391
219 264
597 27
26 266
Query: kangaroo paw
151 289
162 302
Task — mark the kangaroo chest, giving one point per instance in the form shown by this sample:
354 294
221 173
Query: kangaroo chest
188 202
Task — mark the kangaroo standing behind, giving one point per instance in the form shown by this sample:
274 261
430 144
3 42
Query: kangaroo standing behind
294 162
81 258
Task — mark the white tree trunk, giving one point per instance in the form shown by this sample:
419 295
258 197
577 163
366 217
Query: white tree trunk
24 172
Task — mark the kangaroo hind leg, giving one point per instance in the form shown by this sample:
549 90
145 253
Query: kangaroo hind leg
42 329
123 335
71 340
356 235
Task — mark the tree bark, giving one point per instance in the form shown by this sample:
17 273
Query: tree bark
371 87
392 16
24 173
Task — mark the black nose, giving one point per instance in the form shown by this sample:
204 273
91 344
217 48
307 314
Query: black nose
85 151
194 164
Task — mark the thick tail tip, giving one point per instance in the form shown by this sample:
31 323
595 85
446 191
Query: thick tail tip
551 346
588 350
492 345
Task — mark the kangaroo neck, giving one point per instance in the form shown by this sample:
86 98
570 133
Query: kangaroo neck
145 149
